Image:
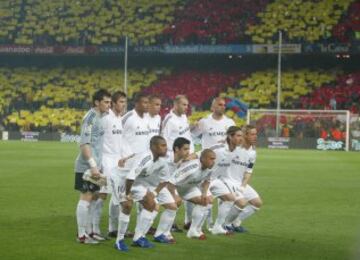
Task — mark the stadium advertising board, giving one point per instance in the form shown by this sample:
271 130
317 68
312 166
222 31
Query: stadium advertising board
274 48
278 142
30 136
323 144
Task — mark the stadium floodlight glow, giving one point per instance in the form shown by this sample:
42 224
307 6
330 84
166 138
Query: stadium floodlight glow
320 129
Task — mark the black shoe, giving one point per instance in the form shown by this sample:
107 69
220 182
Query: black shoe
151 231
175 228
187 226
112 234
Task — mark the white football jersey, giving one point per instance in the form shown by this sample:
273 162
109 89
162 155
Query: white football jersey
190 174
176 126
223 159
241 163
114 144
212 131
154 125
136 131
148 173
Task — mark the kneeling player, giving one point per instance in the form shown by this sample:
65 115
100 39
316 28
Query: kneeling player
192 181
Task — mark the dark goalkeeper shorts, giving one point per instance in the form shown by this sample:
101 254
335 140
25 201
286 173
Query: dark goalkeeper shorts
84 186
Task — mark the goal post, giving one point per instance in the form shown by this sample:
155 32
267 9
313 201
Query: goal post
306 129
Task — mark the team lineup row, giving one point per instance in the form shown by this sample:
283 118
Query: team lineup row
138 159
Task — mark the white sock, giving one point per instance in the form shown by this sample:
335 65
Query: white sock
237 222
98 205
154 214
89 226
123 225
233 214
145 221
209 215
223 211
166 220
247 212
188 211
138 211
198 217
82 215
113 216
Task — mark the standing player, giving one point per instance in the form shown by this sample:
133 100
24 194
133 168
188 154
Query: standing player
136 126
212 130
91 142
192 181
176 125
213 127
154 119
239 174
114 148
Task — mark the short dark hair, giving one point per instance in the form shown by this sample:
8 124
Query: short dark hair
139 96
152 97
100 94
180 142
205 152
116 95
232 130
156 139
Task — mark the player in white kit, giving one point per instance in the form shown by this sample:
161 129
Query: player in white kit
136 126
113 149
145 183
239 174
225 153
176 125
154 119
192 180
212 130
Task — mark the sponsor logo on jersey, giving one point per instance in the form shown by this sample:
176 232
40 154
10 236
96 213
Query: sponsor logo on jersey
184 130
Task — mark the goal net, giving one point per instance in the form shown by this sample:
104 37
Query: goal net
306 129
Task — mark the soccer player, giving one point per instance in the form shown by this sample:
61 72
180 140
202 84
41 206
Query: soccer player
154 119
213 127
136 126
176 125
114 148
239 174
144 182
212 130
219 188
192 181
89 158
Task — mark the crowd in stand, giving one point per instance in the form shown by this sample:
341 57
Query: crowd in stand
82 22
37 98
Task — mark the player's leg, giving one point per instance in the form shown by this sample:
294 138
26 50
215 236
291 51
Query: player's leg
167 218
193 195
254 204
219 190
114 212
86 190
147 215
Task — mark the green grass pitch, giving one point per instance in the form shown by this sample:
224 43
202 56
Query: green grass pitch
311 209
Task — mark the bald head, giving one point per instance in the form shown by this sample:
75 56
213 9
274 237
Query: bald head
207 158
181 104
218 106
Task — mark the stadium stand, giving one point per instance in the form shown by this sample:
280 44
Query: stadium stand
259 89
349 27
47 22
345 91
300 20
214 22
